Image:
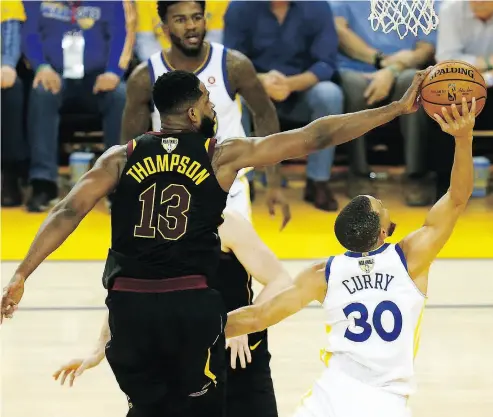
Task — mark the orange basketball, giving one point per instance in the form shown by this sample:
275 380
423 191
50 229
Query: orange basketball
448 82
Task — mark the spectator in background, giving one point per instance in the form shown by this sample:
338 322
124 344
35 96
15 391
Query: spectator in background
377 68
151 38
14 147
465 33
88 69
293 46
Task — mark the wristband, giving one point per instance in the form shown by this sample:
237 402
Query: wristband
377 60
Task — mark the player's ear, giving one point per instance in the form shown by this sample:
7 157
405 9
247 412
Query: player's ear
165 28
193 115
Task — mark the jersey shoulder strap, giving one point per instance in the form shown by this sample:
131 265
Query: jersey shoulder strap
210 147
131 145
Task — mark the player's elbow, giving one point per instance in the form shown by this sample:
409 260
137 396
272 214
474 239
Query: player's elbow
460 197
68 209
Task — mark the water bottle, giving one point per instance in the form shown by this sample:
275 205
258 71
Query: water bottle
80 163
481 176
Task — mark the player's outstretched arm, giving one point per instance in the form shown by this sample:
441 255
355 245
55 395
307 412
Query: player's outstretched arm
322 133
308 286
422 246
76 367
64 218
238 235
137 113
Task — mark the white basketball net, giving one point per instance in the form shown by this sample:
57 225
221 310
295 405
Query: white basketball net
403 16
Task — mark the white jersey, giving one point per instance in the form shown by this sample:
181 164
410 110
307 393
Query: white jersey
214 75
373 318
215 78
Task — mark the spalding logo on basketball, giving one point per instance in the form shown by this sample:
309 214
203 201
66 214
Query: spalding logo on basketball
448 82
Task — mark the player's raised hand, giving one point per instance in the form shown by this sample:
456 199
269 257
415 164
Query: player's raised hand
11 296
410 99
455 124
76 368
239 350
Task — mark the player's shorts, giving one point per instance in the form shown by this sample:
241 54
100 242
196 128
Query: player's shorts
167 347
249 391
336 394
239 197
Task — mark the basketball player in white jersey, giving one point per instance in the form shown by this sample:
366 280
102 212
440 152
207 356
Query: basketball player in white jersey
225 73
374 296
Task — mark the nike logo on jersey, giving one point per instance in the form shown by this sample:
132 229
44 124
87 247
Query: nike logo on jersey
234 195
364 282
255 346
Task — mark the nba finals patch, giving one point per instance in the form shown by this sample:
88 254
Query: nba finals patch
169 144
366 265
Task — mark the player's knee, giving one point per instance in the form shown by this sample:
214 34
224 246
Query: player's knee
327 95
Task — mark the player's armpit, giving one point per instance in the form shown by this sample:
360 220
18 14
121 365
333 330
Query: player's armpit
308 286
238 235
137 111
64 218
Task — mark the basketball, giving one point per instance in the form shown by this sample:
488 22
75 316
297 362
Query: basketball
448 82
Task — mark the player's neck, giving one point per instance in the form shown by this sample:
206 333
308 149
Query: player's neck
178 60
173 124
379 244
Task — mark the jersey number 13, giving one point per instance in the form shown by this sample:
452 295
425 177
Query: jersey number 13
172 212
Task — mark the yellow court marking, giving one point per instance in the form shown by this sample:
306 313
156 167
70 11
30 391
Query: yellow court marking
309 235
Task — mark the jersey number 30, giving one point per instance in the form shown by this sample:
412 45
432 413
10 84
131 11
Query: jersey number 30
362 322
172 216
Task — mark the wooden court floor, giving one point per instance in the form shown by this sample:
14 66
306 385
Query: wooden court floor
63 308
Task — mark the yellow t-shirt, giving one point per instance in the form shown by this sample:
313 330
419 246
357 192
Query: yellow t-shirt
148 19
12 10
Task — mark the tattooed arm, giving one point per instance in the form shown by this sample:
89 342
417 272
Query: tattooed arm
235 154
244 80
137 112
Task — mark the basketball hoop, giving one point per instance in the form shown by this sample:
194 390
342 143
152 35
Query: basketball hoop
403 16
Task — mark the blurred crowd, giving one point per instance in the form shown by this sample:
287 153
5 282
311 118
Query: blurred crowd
313 59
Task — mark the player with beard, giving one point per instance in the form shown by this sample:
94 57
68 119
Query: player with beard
226 73
170 188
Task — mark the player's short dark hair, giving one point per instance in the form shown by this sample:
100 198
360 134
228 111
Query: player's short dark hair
175 89
357 226
162 8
